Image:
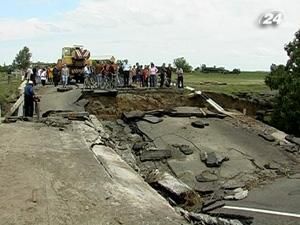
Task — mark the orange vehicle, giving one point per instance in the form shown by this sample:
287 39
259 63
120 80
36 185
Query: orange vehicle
75 58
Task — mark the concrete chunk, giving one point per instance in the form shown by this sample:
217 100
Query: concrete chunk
293 139
175 188
206 176
206 219
267 137
152 119
186 112
97 124
213 159
237 194
198 124
185 149
206 188
155 155
133 115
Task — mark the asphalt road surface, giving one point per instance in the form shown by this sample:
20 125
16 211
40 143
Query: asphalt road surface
274 204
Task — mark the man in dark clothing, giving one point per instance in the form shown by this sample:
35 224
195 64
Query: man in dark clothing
29 99
169 75
163 72
33 75
55 76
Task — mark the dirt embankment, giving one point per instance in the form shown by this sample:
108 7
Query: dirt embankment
252 105
110 108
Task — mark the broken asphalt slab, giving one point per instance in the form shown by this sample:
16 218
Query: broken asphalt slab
213 159
185 149
133 115
198 124
293 139
207 176
155 155
186 112
267 137
152 119
176 189
54 101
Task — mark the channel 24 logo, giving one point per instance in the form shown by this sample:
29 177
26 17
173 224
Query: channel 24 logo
273 18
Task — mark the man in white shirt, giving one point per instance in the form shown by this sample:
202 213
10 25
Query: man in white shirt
44 76
87 76
126 70
179 73
65 73
38 77
28 74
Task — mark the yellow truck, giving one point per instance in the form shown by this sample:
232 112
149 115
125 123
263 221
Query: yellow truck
75 58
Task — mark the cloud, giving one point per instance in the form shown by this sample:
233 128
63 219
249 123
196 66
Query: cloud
30 28
209 31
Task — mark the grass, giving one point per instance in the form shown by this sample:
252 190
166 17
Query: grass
244 82
8 92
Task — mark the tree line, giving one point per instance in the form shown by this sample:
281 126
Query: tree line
286 80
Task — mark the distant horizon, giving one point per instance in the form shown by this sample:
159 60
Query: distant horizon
194 67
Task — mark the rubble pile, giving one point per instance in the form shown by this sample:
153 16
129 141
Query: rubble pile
177 152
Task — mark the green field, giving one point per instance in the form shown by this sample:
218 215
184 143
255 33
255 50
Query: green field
244 82
8 92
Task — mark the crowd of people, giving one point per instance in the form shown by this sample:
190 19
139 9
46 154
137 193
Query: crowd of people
43 75
122 74
136 75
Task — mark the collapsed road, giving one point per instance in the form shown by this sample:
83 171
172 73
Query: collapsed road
146 157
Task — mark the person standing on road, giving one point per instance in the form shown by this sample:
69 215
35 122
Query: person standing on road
139 75
111 73
163 73
56 78
169 75
65 73
153 74
38 77
29 99
50 75
87 76
28 74
146 76
34 75
179 73
126 71
132 79
44 76
98 70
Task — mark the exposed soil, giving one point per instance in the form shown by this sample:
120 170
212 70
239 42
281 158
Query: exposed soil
252 104
110 108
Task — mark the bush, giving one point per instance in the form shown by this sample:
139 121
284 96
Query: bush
182 63
286 79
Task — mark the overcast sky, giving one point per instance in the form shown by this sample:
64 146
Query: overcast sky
212 32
